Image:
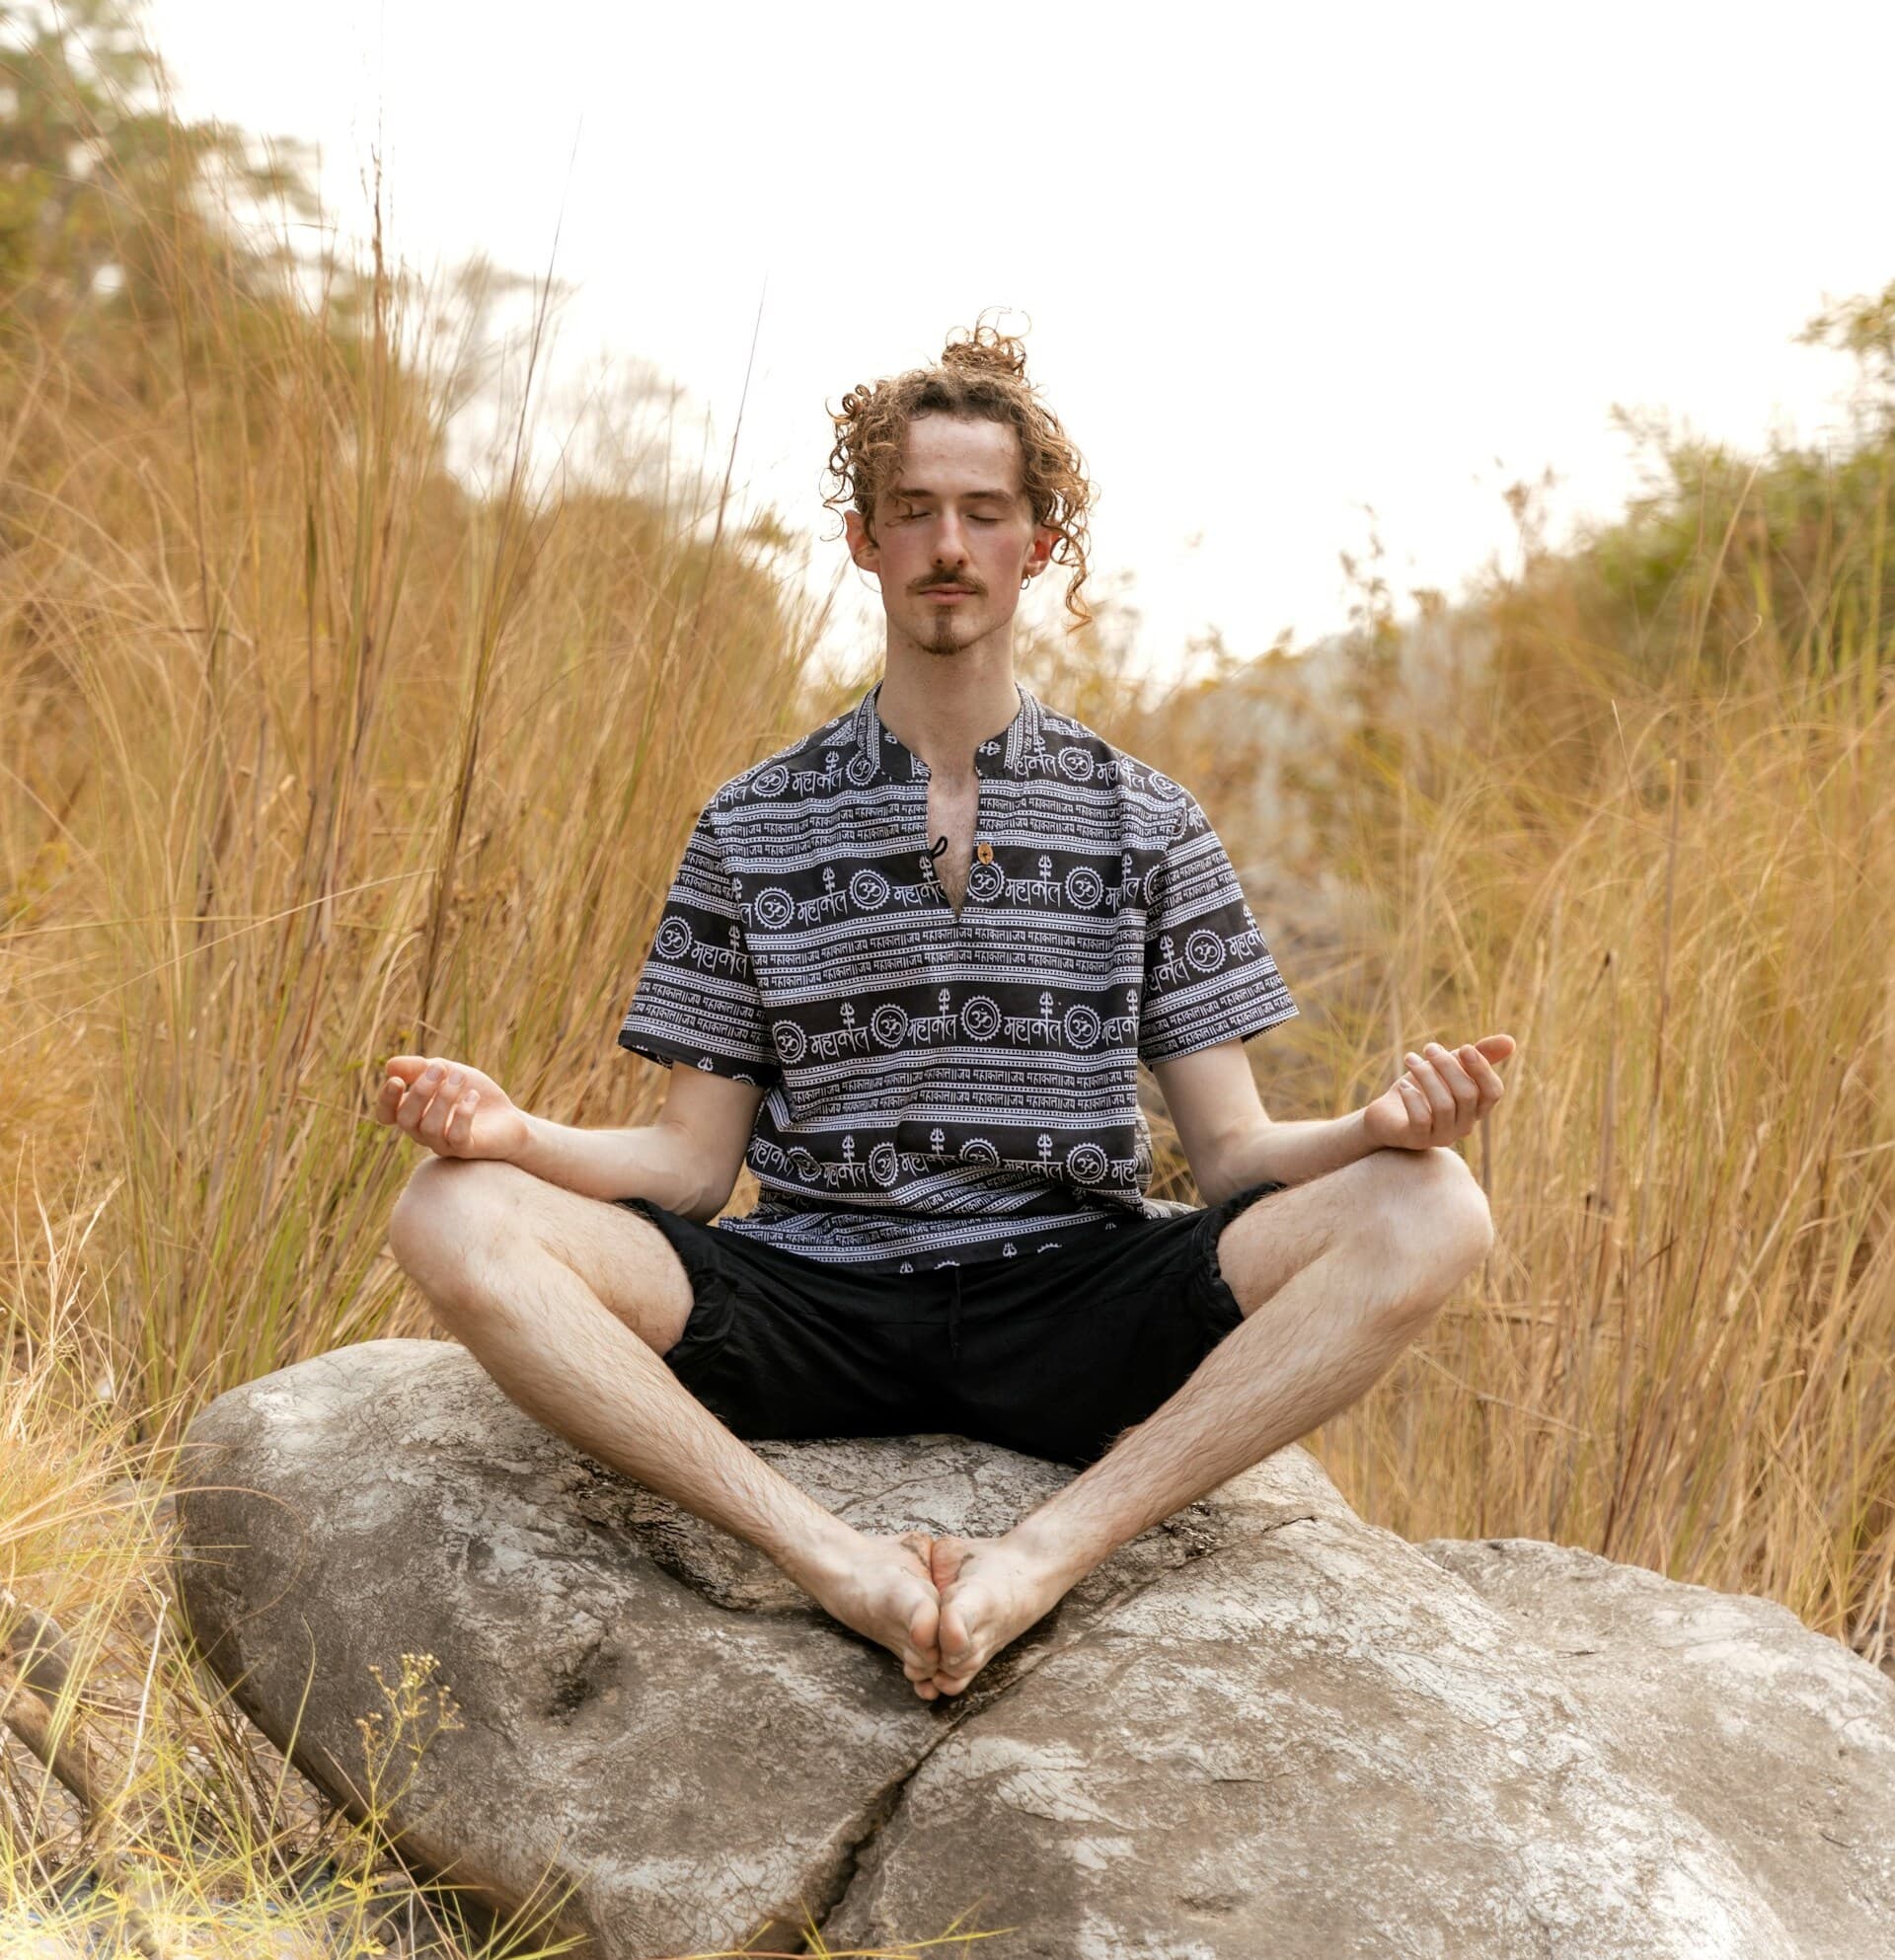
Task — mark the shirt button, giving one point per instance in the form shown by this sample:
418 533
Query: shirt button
984 851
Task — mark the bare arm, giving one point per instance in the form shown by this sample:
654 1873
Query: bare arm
1229 1139
1231 1142
687 1161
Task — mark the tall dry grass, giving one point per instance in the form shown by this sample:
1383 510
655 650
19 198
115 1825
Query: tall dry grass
308 753
1654 843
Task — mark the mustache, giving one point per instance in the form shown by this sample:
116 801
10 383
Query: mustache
962 584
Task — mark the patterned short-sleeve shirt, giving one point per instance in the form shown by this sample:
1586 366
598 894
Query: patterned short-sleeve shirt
948 1088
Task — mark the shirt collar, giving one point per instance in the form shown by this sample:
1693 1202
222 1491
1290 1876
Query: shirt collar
1003 754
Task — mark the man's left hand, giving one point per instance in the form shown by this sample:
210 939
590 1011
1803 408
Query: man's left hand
1444 1092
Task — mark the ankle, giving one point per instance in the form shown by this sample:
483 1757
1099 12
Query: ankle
1044 1543
823 1553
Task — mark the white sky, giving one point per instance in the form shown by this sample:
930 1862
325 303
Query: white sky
1279 263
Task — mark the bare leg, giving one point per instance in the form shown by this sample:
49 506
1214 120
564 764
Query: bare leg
1334 1277
569 1303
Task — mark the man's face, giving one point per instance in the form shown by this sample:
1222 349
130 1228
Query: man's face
954 534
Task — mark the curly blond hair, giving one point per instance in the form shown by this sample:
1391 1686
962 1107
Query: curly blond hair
981 376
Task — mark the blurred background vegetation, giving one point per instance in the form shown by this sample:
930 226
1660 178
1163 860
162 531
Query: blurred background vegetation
311 752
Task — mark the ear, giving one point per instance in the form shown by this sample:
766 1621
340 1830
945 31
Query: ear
861 541
1040 553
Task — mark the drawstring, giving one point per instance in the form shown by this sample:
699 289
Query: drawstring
954 1320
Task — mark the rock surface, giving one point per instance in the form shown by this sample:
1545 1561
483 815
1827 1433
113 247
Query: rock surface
1263 1727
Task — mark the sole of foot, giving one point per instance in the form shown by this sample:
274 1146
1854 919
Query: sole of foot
884 1589
991 1592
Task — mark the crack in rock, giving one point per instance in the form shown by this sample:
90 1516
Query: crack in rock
1196 1540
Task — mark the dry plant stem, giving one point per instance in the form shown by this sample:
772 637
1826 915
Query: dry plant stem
27 1855
228 1741
29 1719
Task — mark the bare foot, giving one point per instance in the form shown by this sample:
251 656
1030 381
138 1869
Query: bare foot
883 1587
991 1591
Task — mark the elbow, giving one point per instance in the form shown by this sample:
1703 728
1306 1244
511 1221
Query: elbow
1213 1186
1239 1164
712 1192
707 1205
698 1175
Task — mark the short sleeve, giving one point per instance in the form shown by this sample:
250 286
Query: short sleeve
697 1000
1208 975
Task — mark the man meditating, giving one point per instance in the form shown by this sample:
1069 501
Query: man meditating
906 972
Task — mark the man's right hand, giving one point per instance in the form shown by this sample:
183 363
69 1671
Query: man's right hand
451 1108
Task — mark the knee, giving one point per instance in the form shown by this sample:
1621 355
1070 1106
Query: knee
1435 1224
446 1218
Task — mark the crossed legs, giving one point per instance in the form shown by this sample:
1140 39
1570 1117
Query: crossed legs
570 1304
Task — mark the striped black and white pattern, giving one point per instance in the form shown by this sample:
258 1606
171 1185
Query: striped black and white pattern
947 1089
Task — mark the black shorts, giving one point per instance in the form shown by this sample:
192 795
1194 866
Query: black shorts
1053 1355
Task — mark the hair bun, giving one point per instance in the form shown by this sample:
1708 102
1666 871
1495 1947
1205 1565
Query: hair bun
985 349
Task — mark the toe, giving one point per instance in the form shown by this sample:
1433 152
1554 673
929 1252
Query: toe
945 1558
956 1643
924 1629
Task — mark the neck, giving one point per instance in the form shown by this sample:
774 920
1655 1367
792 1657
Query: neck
943 707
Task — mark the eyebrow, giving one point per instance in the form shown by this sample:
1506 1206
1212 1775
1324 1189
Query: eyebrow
913 491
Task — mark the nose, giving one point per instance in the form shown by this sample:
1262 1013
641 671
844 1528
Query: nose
951 542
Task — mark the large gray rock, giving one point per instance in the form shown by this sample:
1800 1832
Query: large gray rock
1262 1729
1776 1740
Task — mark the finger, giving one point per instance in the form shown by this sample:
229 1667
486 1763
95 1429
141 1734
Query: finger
1460 1083
1433 1087
428 1091
1496 1047
434 1124
420 1098
1416 1105
1487 1078
460 1121
405 1070
421 1092
388 1099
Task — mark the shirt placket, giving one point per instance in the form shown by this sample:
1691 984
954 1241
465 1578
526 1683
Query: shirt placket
989 815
